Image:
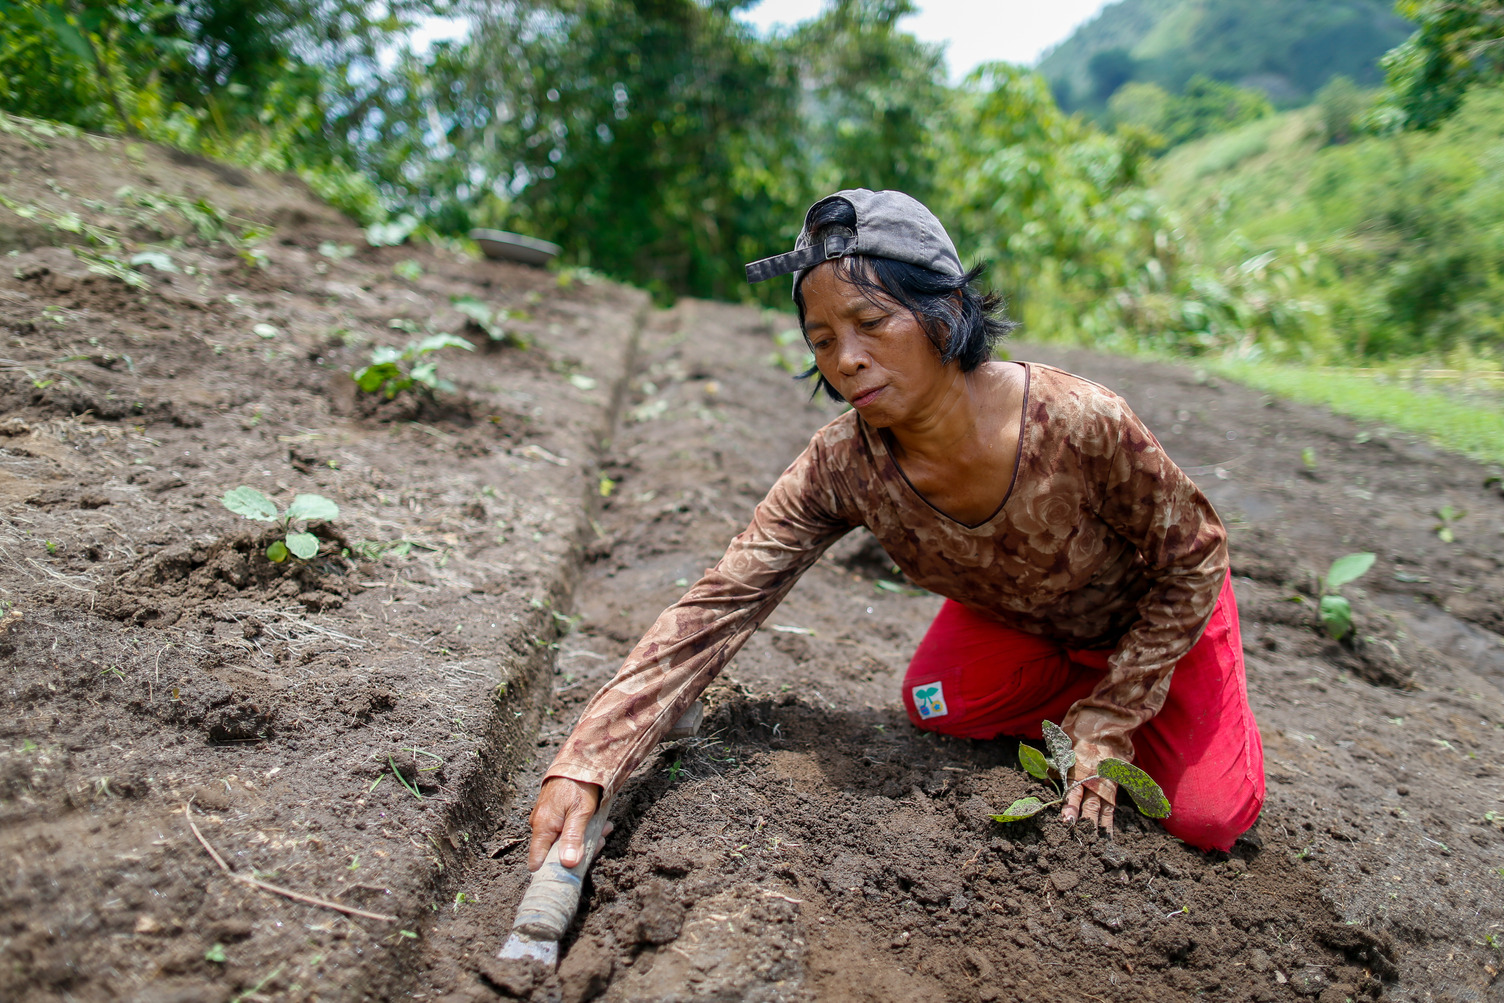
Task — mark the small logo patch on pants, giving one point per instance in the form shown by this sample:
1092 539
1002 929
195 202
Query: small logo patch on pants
929 700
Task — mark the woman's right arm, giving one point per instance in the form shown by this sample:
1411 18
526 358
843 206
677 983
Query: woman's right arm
687 647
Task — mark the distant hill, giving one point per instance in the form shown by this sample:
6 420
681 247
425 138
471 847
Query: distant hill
1287 48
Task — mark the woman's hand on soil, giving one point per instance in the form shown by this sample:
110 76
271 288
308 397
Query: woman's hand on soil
1093 801
563 810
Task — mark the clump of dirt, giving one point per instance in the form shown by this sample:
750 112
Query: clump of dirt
188 577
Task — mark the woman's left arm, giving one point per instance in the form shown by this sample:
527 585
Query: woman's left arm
1151 502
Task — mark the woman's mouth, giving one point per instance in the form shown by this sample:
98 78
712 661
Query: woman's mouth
866 397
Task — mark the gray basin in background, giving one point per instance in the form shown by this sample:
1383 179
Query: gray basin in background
505 246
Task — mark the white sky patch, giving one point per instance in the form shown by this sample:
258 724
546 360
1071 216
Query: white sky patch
426 31
973 31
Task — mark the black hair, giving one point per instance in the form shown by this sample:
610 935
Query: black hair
965 332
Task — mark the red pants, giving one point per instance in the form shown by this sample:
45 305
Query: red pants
975 678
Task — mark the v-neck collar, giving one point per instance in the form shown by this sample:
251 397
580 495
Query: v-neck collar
900 483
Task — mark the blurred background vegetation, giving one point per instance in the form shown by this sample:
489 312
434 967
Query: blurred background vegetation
1289 180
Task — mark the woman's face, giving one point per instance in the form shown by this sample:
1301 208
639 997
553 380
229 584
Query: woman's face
872 349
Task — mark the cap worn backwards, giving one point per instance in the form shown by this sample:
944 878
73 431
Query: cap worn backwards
889 224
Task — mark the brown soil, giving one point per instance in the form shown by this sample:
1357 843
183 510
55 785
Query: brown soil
369 726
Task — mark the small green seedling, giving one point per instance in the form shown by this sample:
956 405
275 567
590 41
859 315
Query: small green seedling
1447 515
1146 794
248 502
1336 611
394 370
489 321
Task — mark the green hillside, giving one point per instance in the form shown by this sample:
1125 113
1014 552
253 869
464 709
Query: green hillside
1287 48
1393 246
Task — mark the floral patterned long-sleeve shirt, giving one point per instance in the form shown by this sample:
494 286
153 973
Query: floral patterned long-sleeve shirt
1102 542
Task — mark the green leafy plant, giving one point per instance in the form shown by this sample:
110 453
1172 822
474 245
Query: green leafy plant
489 321
393 370
1336 611
252 504
1447 515
1146 794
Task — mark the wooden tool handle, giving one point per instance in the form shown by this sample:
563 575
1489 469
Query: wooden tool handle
549 905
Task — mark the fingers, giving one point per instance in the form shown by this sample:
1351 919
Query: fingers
547 822
572 842
544 834
1090 804
1072 809
1091 807
563 810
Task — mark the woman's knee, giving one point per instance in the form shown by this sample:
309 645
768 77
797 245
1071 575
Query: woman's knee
1215 826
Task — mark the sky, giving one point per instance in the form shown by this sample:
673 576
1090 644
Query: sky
973 31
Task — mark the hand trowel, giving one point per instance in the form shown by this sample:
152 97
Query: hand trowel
549 905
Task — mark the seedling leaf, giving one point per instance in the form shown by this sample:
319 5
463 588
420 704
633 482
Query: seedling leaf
303 545
314 508
1021 809
277 552
1346 569
1337 615
370 378
249 502
1033 760
1148 795
434 342
1062 752
156 259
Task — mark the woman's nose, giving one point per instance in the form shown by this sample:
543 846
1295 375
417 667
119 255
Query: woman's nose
851 357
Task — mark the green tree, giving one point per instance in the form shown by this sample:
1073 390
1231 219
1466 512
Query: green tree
1459 44
656 140
1342 105
875 98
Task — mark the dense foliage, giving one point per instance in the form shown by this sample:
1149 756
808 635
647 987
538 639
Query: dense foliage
1404 233
665 143
1459 43
268 83
1204 107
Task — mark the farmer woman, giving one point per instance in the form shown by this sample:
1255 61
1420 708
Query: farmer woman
1086 577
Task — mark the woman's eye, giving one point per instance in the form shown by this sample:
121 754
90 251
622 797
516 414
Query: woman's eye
871 323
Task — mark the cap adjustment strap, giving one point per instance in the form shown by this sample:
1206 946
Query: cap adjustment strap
836 244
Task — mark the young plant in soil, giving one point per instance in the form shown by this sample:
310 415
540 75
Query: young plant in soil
1336 611
489 321
1146 794
394 370
252 504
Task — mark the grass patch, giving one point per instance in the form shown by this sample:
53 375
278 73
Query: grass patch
1461 412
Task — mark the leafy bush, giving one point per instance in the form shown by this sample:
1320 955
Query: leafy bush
307 509
395 370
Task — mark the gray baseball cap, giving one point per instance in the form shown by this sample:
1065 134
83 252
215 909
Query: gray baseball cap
889 224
